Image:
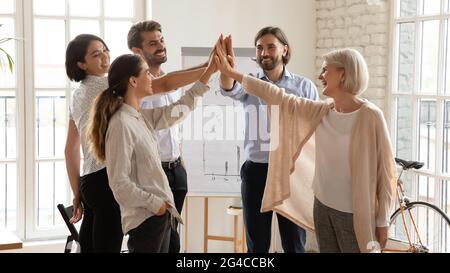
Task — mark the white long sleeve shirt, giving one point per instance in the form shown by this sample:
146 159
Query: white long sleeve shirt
168 139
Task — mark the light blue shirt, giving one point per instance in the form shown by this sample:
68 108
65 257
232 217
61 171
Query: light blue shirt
257 129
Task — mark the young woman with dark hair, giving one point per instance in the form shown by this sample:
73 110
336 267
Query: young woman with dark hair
88 61
124 137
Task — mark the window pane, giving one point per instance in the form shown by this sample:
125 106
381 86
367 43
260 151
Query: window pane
8 196
430 55
447 61
7 30
8 144
426 189
427 133
408 7
431 7
49 53
50 124
52 189
446 208
406 57
7 6
86 8
446 138
49 7
404 128
123 8
84 26
115 36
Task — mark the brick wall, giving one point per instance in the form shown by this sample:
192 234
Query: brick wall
364 26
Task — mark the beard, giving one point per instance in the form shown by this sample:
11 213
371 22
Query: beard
153 60
267 66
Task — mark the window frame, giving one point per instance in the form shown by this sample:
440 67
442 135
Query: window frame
441 179
26 91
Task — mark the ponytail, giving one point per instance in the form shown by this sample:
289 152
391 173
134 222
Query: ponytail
110 101
104 107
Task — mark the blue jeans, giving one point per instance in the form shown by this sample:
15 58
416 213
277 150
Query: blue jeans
259 225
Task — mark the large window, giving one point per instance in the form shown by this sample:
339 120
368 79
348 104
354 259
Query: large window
8 123
421 95
34 182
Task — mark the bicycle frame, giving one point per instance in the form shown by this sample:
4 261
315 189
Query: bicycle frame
403 202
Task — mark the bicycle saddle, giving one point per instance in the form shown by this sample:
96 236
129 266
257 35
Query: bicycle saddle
406 165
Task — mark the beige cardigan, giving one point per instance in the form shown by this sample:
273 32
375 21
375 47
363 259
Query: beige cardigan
289 181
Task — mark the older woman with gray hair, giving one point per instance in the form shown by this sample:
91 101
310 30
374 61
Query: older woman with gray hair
347 197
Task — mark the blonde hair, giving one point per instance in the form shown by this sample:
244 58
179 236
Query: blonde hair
356 73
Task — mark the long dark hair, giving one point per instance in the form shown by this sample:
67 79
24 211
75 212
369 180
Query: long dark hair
76 52
108 102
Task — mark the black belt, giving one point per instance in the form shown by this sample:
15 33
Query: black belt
171 164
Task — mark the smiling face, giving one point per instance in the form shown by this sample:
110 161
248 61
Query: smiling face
96 61
332 78
143 82
153 48
270 52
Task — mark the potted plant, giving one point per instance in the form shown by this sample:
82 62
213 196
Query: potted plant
3 53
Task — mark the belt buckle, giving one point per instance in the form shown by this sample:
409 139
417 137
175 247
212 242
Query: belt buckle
170 165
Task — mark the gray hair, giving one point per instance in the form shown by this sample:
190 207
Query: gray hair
356 73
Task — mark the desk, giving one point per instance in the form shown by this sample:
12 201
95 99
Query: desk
8 240
206 235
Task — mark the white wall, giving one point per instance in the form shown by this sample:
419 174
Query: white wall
199 23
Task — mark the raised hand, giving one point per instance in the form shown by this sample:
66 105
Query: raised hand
212 65
228 46
226 82
223 60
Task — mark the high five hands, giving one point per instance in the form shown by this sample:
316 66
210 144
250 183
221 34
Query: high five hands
222 58
225 60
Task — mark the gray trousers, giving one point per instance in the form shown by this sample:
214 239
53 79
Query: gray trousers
334 230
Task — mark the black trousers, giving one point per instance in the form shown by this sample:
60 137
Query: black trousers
178 184
101 228
259 225
152 236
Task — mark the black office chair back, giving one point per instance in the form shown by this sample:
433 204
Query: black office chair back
66 213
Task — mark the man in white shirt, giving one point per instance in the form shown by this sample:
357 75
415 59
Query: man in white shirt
145 38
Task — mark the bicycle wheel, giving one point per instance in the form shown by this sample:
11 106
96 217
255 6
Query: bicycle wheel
433 229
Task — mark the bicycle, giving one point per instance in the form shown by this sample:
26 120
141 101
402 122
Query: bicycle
416 227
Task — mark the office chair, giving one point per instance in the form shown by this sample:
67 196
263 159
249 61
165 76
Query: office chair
66 213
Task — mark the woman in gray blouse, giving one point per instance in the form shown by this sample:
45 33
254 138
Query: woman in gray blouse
88 61
124 137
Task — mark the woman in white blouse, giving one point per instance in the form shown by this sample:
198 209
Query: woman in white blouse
87 61
124 137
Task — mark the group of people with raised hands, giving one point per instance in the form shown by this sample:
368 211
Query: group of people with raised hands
134 181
